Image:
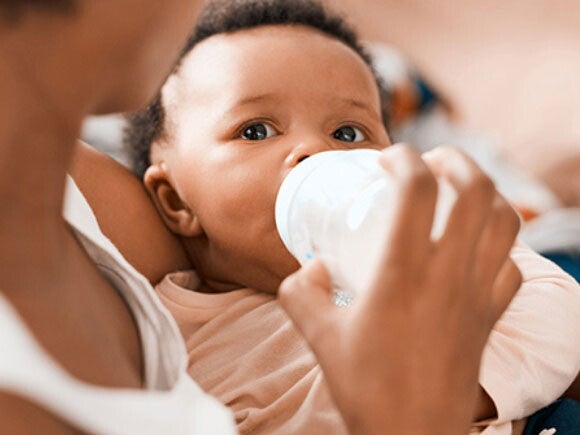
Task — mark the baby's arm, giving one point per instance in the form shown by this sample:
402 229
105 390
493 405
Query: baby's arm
126 215
533 353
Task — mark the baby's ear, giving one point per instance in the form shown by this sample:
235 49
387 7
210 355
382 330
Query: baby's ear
178 217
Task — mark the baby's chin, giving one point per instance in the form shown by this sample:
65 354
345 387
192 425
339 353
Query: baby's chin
284 270
264 271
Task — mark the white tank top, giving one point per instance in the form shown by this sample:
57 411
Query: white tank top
172 402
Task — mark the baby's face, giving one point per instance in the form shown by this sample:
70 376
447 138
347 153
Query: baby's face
243 111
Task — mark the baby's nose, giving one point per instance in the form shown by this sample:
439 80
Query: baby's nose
308 148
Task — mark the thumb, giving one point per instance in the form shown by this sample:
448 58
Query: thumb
306 296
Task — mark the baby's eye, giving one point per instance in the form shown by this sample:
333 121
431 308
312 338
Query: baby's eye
258 131
349 134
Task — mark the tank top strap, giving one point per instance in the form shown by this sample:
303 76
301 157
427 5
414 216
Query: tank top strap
27 371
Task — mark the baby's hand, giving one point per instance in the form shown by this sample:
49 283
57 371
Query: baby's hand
405 357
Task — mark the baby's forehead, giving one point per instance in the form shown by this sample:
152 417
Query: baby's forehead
275 58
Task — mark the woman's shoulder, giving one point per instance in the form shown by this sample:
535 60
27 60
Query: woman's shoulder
126 215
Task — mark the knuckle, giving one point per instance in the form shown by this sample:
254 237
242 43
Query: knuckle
400 152
422 182
400 148
479 184
506 217
412 172
512 221
441 155
515 222
398 157
512 276
451 155
483 183
448 149
517 276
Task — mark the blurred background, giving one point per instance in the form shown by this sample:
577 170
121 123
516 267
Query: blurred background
510 68
499 79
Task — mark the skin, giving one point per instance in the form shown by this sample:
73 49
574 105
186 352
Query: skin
226 223
115 58
41 259
558 169
417 277
119 199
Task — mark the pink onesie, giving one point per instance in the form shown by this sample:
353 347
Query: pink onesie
244 350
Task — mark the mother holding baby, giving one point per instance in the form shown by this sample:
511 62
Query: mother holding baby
86 344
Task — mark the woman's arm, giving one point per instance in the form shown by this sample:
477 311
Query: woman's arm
126 215
18 416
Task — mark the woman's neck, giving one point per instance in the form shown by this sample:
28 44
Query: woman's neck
37 143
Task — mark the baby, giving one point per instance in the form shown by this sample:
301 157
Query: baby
261 86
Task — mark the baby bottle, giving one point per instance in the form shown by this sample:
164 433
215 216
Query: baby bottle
335 205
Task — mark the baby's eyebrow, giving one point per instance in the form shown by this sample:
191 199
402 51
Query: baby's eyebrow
255 99
234 108
353 102
356 103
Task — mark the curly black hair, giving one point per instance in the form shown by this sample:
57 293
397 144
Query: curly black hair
228 16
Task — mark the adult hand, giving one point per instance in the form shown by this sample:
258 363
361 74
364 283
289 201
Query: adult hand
405 357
